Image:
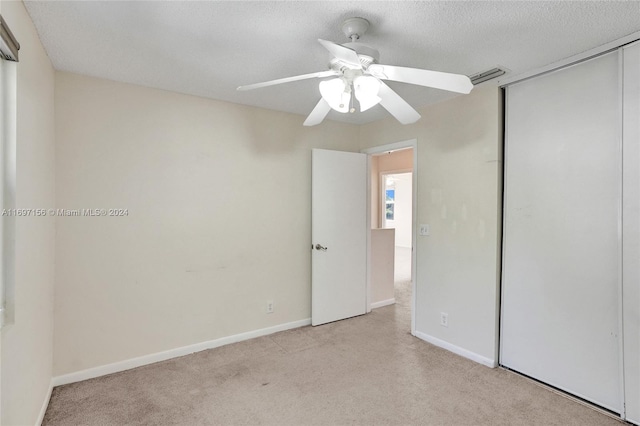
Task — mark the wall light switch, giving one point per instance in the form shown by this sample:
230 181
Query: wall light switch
424 230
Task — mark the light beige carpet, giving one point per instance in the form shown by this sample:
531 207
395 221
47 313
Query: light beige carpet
360 371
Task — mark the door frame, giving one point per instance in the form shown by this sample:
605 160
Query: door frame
397 146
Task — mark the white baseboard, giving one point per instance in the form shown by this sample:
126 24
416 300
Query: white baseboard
457 350
382 303
45 404
172 353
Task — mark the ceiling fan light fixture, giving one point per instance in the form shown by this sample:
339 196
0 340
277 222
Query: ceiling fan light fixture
366 90
336 93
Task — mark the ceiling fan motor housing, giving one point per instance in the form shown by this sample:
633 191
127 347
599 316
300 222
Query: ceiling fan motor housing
367 55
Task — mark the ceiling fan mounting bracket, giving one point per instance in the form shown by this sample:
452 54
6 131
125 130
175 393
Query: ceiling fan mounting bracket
354 28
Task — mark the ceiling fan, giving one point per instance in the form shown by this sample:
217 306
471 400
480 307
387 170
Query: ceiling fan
358 74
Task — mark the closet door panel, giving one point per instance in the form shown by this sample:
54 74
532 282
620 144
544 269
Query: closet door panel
562 246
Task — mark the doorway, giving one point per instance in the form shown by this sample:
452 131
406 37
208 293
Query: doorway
395 204
395 214
392 255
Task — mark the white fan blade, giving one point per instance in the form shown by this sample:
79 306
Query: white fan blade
320 74
398 107
439 80
318 114
343 53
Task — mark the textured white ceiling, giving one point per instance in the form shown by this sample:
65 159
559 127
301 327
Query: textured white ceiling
209 48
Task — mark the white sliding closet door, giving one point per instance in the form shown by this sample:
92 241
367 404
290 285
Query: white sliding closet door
562 247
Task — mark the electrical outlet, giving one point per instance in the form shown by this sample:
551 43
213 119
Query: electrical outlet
444 319
270 307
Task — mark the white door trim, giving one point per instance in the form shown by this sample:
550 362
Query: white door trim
411 143
623 398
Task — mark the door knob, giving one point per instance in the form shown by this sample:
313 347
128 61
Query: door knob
319 247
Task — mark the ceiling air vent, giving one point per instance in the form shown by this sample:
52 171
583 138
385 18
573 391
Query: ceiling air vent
486 75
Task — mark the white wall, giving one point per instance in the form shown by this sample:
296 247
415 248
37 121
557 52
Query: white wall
374 179
401 160
459 187
388 162
26 357
168 274
402 210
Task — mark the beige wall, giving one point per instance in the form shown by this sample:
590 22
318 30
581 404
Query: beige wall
27 344
397 160
459 187
189 164
382 265
208 186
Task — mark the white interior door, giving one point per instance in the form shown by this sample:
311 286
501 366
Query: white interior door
562 252
338 235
